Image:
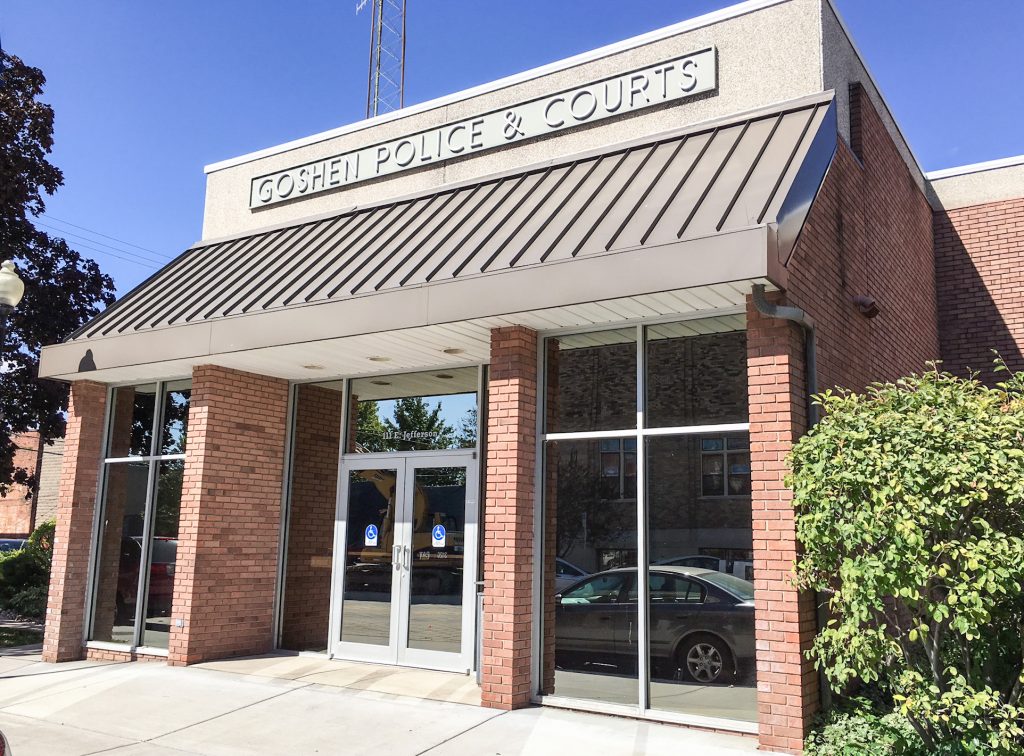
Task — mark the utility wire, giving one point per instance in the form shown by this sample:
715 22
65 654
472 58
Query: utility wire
105 236
64 233
136 260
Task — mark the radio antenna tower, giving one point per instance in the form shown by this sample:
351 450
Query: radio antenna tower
385 89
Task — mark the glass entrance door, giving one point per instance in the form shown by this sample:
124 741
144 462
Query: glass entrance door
404 587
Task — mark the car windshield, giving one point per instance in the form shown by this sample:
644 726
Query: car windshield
738 587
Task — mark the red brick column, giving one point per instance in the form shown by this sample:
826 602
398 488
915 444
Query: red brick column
787 684
230 516
79 486
508 518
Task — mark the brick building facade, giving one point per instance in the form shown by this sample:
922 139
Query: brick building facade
590 296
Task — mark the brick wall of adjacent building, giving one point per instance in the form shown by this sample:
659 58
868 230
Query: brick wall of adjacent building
869 232
508 518
16 504
979 259
49 481
65 608
310 545
230 516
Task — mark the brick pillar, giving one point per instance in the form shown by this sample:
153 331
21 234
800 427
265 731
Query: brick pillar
230 521
787 684
508 518
76 502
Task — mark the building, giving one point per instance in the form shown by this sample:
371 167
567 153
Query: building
618 277
20 511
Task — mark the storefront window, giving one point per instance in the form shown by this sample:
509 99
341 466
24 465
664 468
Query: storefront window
649 589
138 537
309 544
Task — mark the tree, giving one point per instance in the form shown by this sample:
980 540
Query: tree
369 428
909 500
415 426
63 289
466 437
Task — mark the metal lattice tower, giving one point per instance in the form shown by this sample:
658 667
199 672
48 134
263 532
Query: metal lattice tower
385 89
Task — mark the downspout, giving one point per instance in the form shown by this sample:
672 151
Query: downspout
798 316
805 321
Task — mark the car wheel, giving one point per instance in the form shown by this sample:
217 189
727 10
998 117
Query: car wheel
705 659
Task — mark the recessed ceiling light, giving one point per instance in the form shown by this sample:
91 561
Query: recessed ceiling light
379 359
313 367
445 376
381 383
453 350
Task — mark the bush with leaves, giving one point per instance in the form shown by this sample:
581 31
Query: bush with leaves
25 574
909 500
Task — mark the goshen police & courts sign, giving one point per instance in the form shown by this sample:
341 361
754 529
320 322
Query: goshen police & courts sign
676 79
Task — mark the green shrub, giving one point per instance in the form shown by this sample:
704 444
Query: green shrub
25 574
863 732
910 508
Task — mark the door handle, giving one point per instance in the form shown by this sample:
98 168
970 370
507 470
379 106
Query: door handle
408 566
396 557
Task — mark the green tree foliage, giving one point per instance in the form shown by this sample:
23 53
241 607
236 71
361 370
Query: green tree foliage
414 425
25 574
63 289
910 507
369 428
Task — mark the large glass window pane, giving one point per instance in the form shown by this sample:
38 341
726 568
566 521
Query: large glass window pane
591 382
131 426
174 423
591 616
438 557
369 562
120 555
701 607
309 552
415 411
163 553
696 373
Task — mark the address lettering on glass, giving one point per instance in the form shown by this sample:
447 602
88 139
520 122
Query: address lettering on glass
675 79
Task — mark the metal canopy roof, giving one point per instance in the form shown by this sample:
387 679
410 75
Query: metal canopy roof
762 169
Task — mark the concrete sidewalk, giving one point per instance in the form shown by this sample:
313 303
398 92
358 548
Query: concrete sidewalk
150 708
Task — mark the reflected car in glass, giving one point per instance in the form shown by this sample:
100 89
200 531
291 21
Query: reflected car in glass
161 577
567 574
12 544
701 624
738 567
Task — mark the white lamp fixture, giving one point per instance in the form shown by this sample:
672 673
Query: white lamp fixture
12 288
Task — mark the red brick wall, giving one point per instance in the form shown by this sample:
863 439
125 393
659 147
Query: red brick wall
230 516
508 518
314 479
16 505
979 259
869 232
65 609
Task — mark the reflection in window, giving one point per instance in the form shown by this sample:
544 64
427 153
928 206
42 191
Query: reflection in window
697 510
309 545
131 427
416 411
137 547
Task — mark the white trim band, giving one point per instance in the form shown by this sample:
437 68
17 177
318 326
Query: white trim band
988 165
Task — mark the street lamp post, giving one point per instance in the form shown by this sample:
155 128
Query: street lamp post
11 290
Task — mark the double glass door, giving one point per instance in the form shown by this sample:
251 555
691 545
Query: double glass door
405 579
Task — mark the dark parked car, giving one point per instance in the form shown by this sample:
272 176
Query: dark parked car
12 544
161 577
702 623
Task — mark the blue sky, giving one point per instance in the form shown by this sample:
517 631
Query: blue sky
146 94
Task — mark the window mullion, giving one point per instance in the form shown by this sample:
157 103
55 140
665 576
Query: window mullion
142 593
642 582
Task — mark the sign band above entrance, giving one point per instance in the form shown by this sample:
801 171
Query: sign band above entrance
676 79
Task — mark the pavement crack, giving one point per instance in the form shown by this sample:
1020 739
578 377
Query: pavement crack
463 732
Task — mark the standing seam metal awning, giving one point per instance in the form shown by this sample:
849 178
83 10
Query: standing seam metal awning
764 169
